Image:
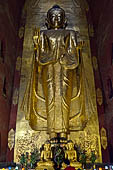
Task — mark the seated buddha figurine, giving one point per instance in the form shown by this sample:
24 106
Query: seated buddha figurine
46 156
71 155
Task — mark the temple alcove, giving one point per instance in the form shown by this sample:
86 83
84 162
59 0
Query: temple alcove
100 26
77 20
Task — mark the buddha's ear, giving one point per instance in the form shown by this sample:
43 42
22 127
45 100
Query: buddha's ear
47 23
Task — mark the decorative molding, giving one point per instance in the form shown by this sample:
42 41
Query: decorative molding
89 142
21 32
11 139
99 96
18 63
28 141
15 96
95 63
103 135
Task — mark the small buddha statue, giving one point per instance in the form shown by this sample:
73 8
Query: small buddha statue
46 156
71 155
71 152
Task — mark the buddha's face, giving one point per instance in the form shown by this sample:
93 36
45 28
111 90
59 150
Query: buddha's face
71 146
56 19
46 147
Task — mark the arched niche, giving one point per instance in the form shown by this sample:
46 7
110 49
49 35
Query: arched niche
35 12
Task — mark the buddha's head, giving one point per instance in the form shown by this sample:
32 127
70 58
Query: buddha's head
56 18
70 145
46 146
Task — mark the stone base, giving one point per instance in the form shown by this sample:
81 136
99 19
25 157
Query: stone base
44 167
76 165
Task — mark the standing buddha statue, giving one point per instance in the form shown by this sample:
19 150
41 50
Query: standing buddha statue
56 81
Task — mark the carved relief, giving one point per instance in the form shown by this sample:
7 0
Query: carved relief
28 142
99 96
11 139
88 142
21 32
18 63
15 96
103 138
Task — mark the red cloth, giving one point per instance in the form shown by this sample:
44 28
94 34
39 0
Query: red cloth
69 168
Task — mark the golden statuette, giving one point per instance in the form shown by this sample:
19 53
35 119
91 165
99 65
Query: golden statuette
71 155
46 156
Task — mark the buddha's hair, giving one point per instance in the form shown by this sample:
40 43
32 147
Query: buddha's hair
55 8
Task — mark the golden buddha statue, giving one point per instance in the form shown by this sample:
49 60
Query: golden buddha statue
71 152
46 156
56 93
71 155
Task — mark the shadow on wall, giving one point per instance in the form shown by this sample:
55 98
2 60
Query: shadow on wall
110 152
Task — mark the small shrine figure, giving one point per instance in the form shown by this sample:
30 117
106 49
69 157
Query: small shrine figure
71 155
46 156
71 152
